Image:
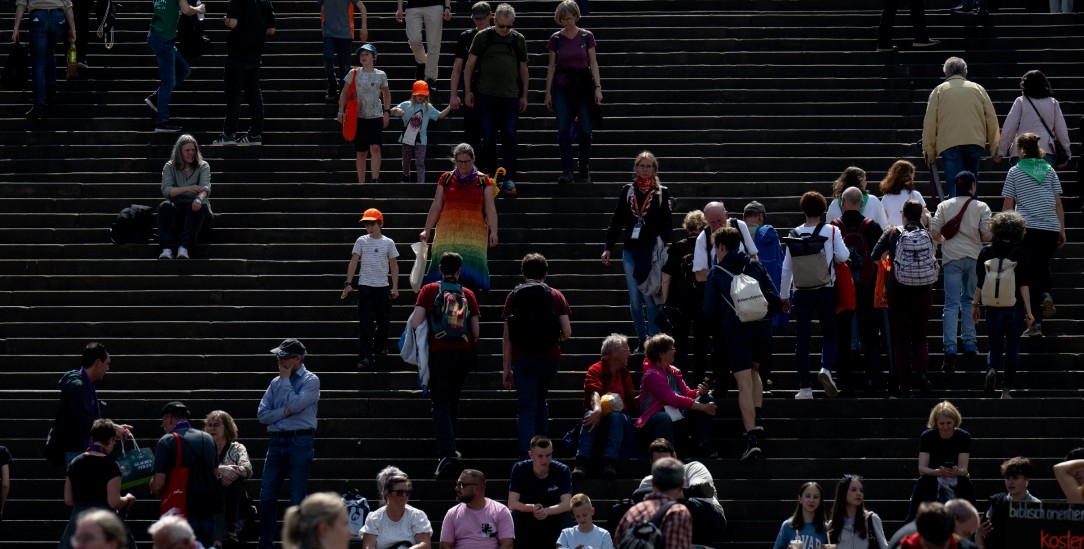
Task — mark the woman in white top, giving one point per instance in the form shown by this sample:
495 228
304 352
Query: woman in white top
396 524
852 526
898 187
1035 111
809 299
871 206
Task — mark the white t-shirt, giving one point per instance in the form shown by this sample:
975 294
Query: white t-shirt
597 538
836 252
376 257
702 261
893 205
873 210
389 532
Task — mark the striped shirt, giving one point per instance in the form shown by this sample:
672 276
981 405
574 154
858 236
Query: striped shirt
1035 201
376 255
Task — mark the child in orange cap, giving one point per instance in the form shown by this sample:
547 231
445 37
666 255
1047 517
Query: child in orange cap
416 115
377 254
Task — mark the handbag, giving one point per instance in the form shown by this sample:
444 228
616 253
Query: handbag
421 254
1061 155
174 498
350 114
881 288
952 226
16 69
136 466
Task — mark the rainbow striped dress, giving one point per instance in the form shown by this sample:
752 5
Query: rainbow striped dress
462 228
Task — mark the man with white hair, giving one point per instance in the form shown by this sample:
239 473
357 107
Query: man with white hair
173 532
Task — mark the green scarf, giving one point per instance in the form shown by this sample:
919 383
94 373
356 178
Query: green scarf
1037 168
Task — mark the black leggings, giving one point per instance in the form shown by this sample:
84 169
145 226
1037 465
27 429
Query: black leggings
1041 246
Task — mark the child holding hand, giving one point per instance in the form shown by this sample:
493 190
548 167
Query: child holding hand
416 114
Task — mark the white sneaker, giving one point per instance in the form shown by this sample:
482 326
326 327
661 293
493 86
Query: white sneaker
804 394
825 377
166 254
182 253
1006 394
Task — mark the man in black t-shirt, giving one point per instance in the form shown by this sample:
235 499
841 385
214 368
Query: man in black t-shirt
203 493
250 23
539 496
481 14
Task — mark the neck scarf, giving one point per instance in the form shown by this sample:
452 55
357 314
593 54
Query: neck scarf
1037 168
181 426
645 185
466 180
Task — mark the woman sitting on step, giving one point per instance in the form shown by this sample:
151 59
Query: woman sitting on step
186 184
396 525
852 526
670 409
233 468
943 453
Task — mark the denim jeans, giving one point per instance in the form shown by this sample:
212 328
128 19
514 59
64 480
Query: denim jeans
532 376
960 281
47 28
336 61
957 159
285 456
638 302
1003 328
447 372
611 428
243 75
172 71
563 101
499 114
172 216
374 317
806 303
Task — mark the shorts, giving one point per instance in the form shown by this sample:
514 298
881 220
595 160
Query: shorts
750 344
370 132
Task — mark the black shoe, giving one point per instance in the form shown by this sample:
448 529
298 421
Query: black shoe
445 462
432 83
582 465
751 453
609 472
583 177
419 71
330 95
166 127
405 179
969 360
36 112
383 351
565 178
949 365
923 385
988 386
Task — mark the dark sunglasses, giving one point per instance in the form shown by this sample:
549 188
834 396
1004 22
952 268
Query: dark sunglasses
465 484
401 493
504 26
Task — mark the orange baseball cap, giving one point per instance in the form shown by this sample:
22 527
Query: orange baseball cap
372 214
421 88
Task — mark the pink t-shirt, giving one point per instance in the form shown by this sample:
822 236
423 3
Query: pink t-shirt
466 528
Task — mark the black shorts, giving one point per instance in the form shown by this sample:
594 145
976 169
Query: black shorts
370 132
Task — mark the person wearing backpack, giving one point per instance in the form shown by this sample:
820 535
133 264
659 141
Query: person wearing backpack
914 267
770 255
1008 310
808 276
535 324
453 316
860 234
683 300
747 341
961 224
674 528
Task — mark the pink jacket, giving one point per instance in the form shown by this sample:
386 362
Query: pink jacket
655 392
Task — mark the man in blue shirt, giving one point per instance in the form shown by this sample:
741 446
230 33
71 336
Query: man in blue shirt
288 408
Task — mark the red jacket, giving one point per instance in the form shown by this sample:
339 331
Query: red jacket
914 541
599 378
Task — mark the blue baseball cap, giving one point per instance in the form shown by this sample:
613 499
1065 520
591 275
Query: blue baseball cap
366 47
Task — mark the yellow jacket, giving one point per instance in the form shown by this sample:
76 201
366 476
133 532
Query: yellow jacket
958 113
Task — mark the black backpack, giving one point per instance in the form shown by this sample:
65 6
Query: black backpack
647 534
533 325
134 225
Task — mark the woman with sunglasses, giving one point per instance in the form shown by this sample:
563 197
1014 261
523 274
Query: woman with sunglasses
396 525
852 526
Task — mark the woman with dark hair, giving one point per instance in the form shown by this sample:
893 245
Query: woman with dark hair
669 408
573 87
186 183
93 480
854 176
944 450
1033 189
853 526
898 187
396 525
234 467
1004 322
643 213
1035 111
807 523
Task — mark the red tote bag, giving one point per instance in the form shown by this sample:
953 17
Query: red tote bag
174 499
350 115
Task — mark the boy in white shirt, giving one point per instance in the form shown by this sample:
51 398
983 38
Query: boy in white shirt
585 535
376 253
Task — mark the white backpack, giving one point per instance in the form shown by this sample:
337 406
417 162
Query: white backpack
746 297
999 285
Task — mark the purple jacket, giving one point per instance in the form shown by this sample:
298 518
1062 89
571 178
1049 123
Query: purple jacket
655 392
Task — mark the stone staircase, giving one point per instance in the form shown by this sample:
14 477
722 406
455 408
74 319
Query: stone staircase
739 100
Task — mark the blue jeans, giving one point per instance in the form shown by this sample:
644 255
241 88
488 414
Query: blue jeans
806 303
638 302
612 427
532 376
285 455
1003 328
336 61
499 113
957 159
563 101
960 281
172 71
47 28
